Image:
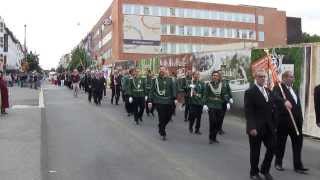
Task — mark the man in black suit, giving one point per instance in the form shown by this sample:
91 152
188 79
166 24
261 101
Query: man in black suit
317 104
285 125
259 113
115 86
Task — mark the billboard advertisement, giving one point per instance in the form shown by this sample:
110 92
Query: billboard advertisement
141 34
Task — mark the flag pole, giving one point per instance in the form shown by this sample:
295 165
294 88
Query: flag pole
285 98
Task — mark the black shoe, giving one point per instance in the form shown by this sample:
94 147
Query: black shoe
191 130
137 122
198 133
256 177
267 176
141 119
301 170
279 167
4 113
185 120
213 141
164 138
221 132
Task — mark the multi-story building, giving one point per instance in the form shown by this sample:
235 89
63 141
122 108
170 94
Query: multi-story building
11 51
139 29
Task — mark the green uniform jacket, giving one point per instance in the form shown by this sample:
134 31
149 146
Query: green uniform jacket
137 87
163 92
148 84
216 100
198 92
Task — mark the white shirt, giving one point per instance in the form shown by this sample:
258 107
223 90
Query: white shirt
293 94
263 91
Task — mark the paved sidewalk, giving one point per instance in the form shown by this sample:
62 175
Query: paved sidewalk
20 136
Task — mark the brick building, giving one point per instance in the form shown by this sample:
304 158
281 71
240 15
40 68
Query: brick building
138 29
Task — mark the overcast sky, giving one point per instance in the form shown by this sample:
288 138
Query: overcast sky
54 27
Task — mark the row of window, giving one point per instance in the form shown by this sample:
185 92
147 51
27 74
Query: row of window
180 48
190 13
203 31
1 42
1 27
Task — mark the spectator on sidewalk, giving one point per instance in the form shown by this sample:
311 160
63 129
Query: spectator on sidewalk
4 94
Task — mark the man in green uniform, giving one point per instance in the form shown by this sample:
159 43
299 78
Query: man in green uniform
216 93
137 95
124 89
196 91
163 94
149 108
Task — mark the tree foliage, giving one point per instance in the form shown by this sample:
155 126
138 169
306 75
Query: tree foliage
307 38
33 62
79 59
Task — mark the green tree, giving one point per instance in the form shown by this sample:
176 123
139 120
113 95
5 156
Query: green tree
79 59
307 38
33 62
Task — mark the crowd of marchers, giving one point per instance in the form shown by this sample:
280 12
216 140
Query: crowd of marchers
272 115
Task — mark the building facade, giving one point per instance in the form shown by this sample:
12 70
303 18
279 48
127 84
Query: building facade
139 29
11 50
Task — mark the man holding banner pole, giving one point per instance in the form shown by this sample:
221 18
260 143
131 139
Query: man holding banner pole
289 122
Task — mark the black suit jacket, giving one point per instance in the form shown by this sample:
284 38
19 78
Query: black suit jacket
317 102
117 79
284 120
260 115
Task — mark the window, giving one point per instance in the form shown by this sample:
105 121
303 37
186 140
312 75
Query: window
238 33
229 33
173 48
181 48
214 15
155 11
164 11
197 14
181 30
189 48
127 9
189 31
172 11
189 13
261 36
205 14
1 39
252 18
228 16
164 48
244 34
222 32
198 31
237 17
252 35
214 32
205 31
180 12
172 29
163 29
260 19
146 10
136 9
221 16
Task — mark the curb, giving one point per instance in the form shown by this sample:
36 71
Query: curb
44 142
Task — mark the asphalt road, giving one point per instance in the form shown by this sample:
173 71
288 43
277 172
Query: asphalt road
89 142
